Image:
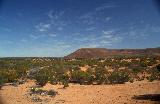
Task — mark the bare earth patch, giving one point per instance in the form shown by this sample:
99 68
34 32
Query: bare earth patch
84 94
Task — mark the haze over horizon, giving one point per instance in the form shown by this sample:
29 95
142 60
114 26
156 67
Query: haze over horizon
59 27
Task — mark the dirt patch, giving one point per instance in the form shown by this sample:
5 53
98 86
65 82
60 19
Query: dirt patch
84 94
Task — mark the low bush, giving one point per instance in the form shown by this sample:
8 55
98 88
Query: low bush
36 90
8 76
81 77
41 79
2 81
52 93
136 70
118 77
101 75
158 67
43 76
39 91
64 79
155 75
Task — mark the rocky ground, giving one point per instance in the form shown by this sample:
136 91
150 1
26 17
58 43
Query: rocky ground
82 94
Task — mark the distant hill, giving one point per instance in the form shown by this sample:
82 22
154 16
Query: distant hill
104 53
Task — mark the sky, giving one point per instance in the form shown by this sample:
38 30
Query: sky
55 28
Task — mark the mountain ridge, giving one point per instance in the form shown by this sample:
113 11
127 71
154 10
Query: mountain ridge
105 52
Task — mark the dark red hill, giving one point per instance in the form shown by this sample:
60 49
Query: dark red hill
104 53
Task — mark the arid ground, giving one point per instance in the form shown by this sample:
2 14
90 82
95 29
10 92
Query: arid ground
82 94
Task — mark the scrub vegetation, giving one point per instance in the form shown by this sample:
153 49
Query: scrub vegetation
115 70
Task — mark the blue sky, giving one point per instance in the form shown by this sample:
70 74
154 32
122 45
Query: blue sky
59 27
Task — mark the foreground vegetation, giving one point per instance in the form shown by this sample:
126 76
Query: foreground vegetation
115 70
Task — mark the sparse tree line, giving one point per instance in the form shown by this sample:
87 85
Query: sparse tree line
100 71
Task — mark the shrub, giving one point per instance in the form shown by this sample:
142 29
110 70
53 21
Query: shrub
136 70
81 77
38 91
101 75
8 76
2 80
53 80
131 80
143 64
118 77
85 77
11 76
35 90
75 77
52 93
41 79
43 76
158 67
64 79
154 76
21 71
151 78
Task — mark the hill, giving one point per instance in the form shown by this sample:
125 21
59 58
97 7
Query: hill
104 53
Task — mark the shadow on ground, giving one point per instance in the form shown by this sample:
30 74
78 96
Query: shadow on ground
151 97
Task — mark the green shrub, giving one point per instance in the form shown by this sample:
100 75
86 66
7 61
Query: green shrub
52 93
64 79
85 77
39 91
158 67
35 90
41 79
2 80
151 78
101 75
8 76
118 77
136 70
131 80
154 76
53 80
43 76
81 77
143 64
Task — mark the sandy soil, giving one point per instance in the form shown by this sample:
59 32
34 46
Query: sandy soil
83 94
